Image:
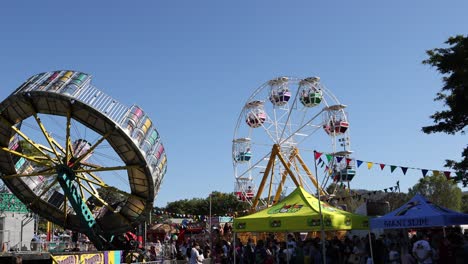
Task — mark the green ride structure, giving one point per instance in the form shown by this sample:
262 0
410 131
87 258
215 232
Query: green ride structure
9 203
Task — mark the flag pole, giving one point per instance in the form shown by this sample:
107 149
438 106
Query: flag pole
322 228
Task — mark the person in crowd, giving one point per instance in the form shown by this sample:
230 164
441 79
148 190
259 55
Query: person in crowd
446 253
407 258
172 249
463 249
422 250
238 251
380 252
291 248
226 247
299 252
334 251
158 248
249 252
195 256
347 249
394 255
315 253
260 252
183 251
282 255
306 250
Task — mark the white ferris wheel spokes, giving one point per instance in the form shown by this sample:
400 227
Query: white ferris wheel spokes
279 127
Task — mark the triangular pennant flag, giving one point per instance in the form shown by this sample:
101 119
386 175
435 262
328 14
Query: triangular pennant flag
382 166
329 157
459 176
391 189
424 172
338 159
404 169
323 163
359 162
392 168
317 154
326 168
385 190
348 160
447 174
369 165
320 161
436 173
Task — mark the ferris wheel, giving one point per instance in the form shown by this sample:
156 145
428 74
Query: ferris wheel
280 126
79 158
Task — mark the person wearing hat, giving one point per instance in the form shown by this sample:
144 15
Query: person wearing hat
422 250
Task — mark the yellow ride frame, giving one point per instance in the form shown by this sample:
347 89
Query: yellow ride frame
276 153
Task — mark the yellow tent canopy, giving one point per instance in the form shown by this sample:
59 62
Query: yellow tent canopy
299 211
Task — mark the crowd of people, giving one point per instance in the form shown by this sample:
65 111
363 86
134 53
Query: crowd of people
429 246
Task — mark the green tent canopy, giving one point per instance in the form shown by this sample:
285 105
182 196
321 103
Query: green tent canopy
299 212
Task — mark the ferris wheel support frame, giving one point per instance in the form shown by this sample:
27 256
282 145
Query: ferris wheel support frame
66 176
276 153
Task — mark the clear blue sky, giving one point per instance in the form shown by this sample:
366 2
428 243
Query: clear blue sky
192 64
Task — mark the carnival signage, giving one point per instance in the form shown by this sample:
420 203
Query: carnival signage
286 208
412 222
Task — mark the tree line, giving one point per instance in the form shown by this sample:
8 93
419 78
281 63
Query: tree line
436 188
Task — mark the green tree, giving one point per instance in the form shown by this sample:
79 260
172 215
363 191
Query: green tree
452 63
225 203
178 207
221 204
439 190
395 199
464 207
349 201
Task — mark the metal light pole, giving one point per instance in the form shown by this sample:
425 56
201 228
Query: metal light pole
210 214
211 235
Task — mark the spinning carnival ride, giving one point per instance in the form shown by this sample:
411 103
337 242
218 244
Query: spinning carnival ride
64 147
281 125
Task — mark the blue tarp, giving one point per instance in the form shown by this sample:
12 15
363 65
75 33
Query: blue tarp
419 213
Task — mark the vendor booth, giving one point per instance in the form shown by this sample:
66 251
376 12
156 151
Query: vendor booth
300 211
419 213
161 232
